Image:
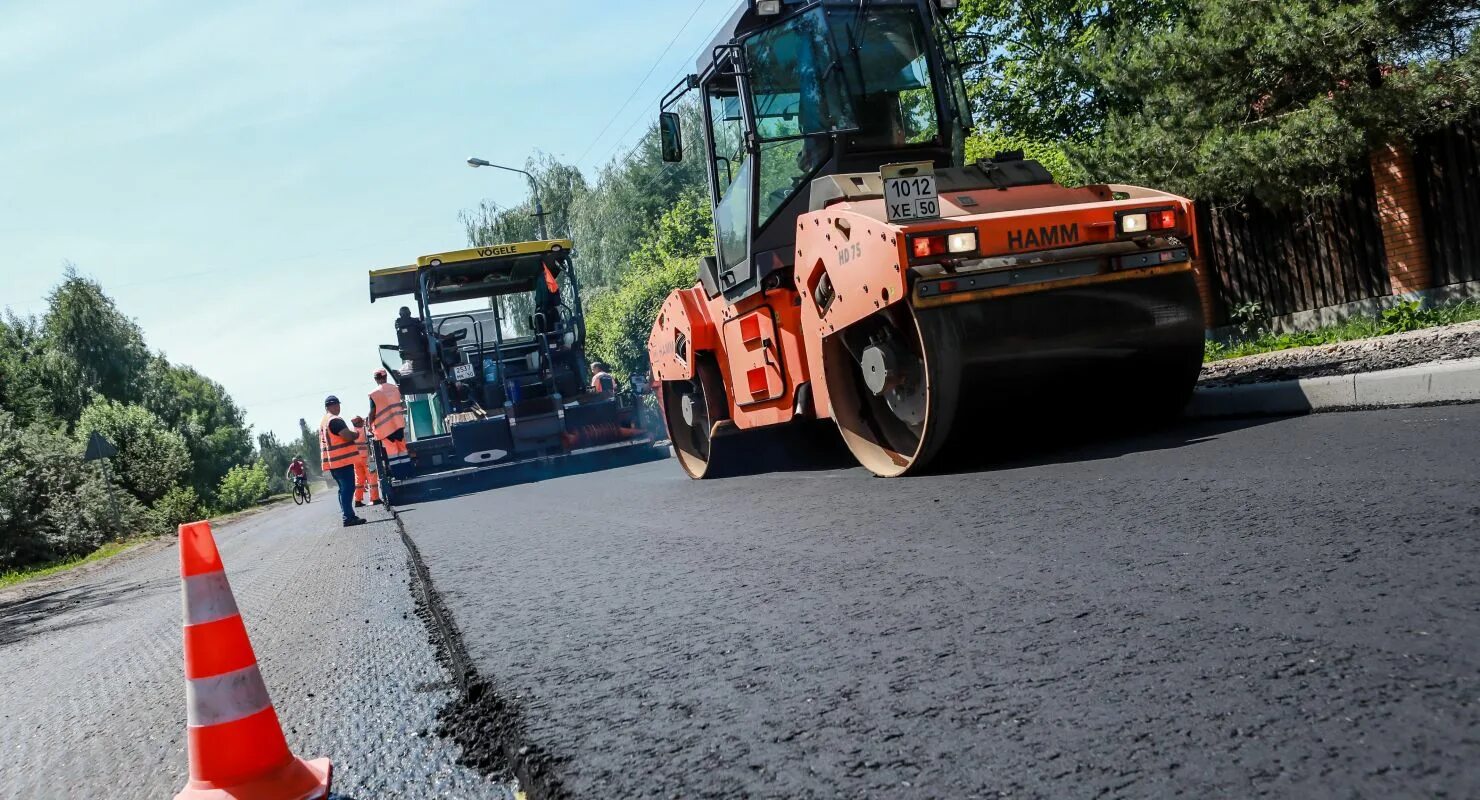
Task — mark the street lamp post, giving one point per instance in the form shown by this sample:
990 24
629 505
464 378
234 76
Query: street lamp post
539 209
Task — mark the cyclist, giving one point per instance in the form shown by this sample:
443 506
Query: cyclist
296 472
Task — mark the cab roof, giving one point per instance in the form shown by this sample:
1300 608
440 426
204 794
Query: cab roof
470 272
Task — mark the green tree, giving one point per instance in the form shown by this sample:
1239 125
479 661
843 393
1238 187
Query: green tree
201 411
22 388
243 487
178 506
560 186
275 456
632 192
987 143
1029 72
89 348
1280 99
151 458
52 504
308 443
618 321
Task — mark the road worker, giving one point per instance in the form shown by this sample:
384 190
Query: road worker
365 473
411 342
388 418
602 381
337 452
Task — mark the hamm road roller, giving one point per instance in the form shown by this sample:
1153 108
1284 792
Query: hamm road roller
866 273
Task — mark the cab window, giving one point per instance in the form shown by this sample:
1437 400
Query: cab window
727 123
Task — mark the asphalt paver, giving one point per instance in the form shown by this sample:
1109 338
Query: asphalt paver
94 701
1279 607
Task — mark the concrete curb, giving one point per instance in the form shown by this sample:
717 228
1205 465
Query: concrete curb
1424 384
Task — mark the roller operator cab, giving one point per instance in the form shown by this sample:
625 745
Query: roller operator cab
865 273
490 360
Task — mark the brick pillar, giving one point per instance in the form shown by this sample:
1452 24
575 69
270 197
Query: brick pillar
1399 213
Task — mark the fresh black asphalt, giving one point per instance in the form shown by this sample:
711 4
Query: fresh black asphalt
1268 607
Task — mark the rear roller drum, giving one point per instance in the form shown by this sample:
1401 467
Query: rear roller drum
693 410
1166 381
894 383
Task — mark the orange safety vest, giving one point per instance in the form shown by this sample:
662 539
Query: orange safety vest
390 412
335 451
604 383
363 445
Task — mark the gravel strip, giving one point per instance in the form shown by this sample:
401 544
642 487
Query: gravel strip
1344 358
95 705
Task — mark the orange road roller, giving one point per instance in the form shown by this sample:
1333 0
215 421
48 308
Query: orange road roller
866 273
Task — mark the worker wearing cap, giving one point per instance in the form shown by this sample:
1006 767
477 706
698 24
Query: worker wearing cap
602 381
337 453
388 417
365 474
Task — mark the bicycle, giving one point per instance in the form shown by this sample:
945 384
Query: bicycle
301 492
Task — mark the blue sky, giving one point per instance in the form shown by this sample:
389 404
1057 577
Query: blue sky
230 171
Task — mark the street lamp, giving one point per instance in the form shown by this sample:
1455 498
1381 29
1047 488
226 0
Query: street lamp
539 210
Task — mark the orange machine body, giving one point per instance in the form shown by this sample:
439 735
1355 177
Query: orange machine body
769 345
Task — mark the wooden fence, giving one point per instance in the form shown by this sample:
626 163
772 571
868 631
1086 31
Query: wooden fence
1331 252
1447 167
1322 253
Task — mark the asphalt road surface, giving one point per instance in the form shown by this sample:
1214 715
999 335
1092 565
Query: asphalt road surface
94 700
1276 607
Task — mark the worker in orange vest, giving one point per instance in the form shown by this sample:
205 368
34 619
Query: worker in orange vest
337 453
602 381
365 472
388 418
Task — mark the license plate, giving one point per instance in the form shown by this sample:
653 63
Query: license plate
463 372
909 191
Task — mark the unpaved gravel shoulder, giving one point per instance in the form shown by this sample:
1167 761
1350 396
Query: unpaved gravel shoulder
94 705
67 577
142 547
1344 358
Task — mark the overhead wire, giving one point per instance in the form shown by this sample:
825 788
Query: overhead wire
638 88
666 175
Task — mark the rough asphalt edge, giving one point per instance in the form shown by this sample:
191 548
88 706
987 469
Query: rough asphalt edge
1458 382
486 726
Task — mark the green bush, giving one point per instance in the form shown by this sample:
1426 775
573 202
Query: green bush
52 503
178 506
1407 315
151 458
1253 337
987 142
619 320
243 487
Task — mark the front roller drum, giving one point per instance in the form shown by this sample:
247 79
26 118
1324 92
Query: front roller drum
696 411
894 397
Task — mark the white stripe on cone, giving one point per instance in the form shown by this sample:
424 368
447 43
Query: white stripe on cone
207 598
227 697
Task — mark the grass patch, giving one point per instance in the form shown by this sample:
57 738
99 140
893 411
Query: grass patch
18 576
1254 338
13 577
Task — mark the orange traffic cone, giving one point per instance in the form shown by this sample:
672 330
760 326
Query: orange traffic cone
237 749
